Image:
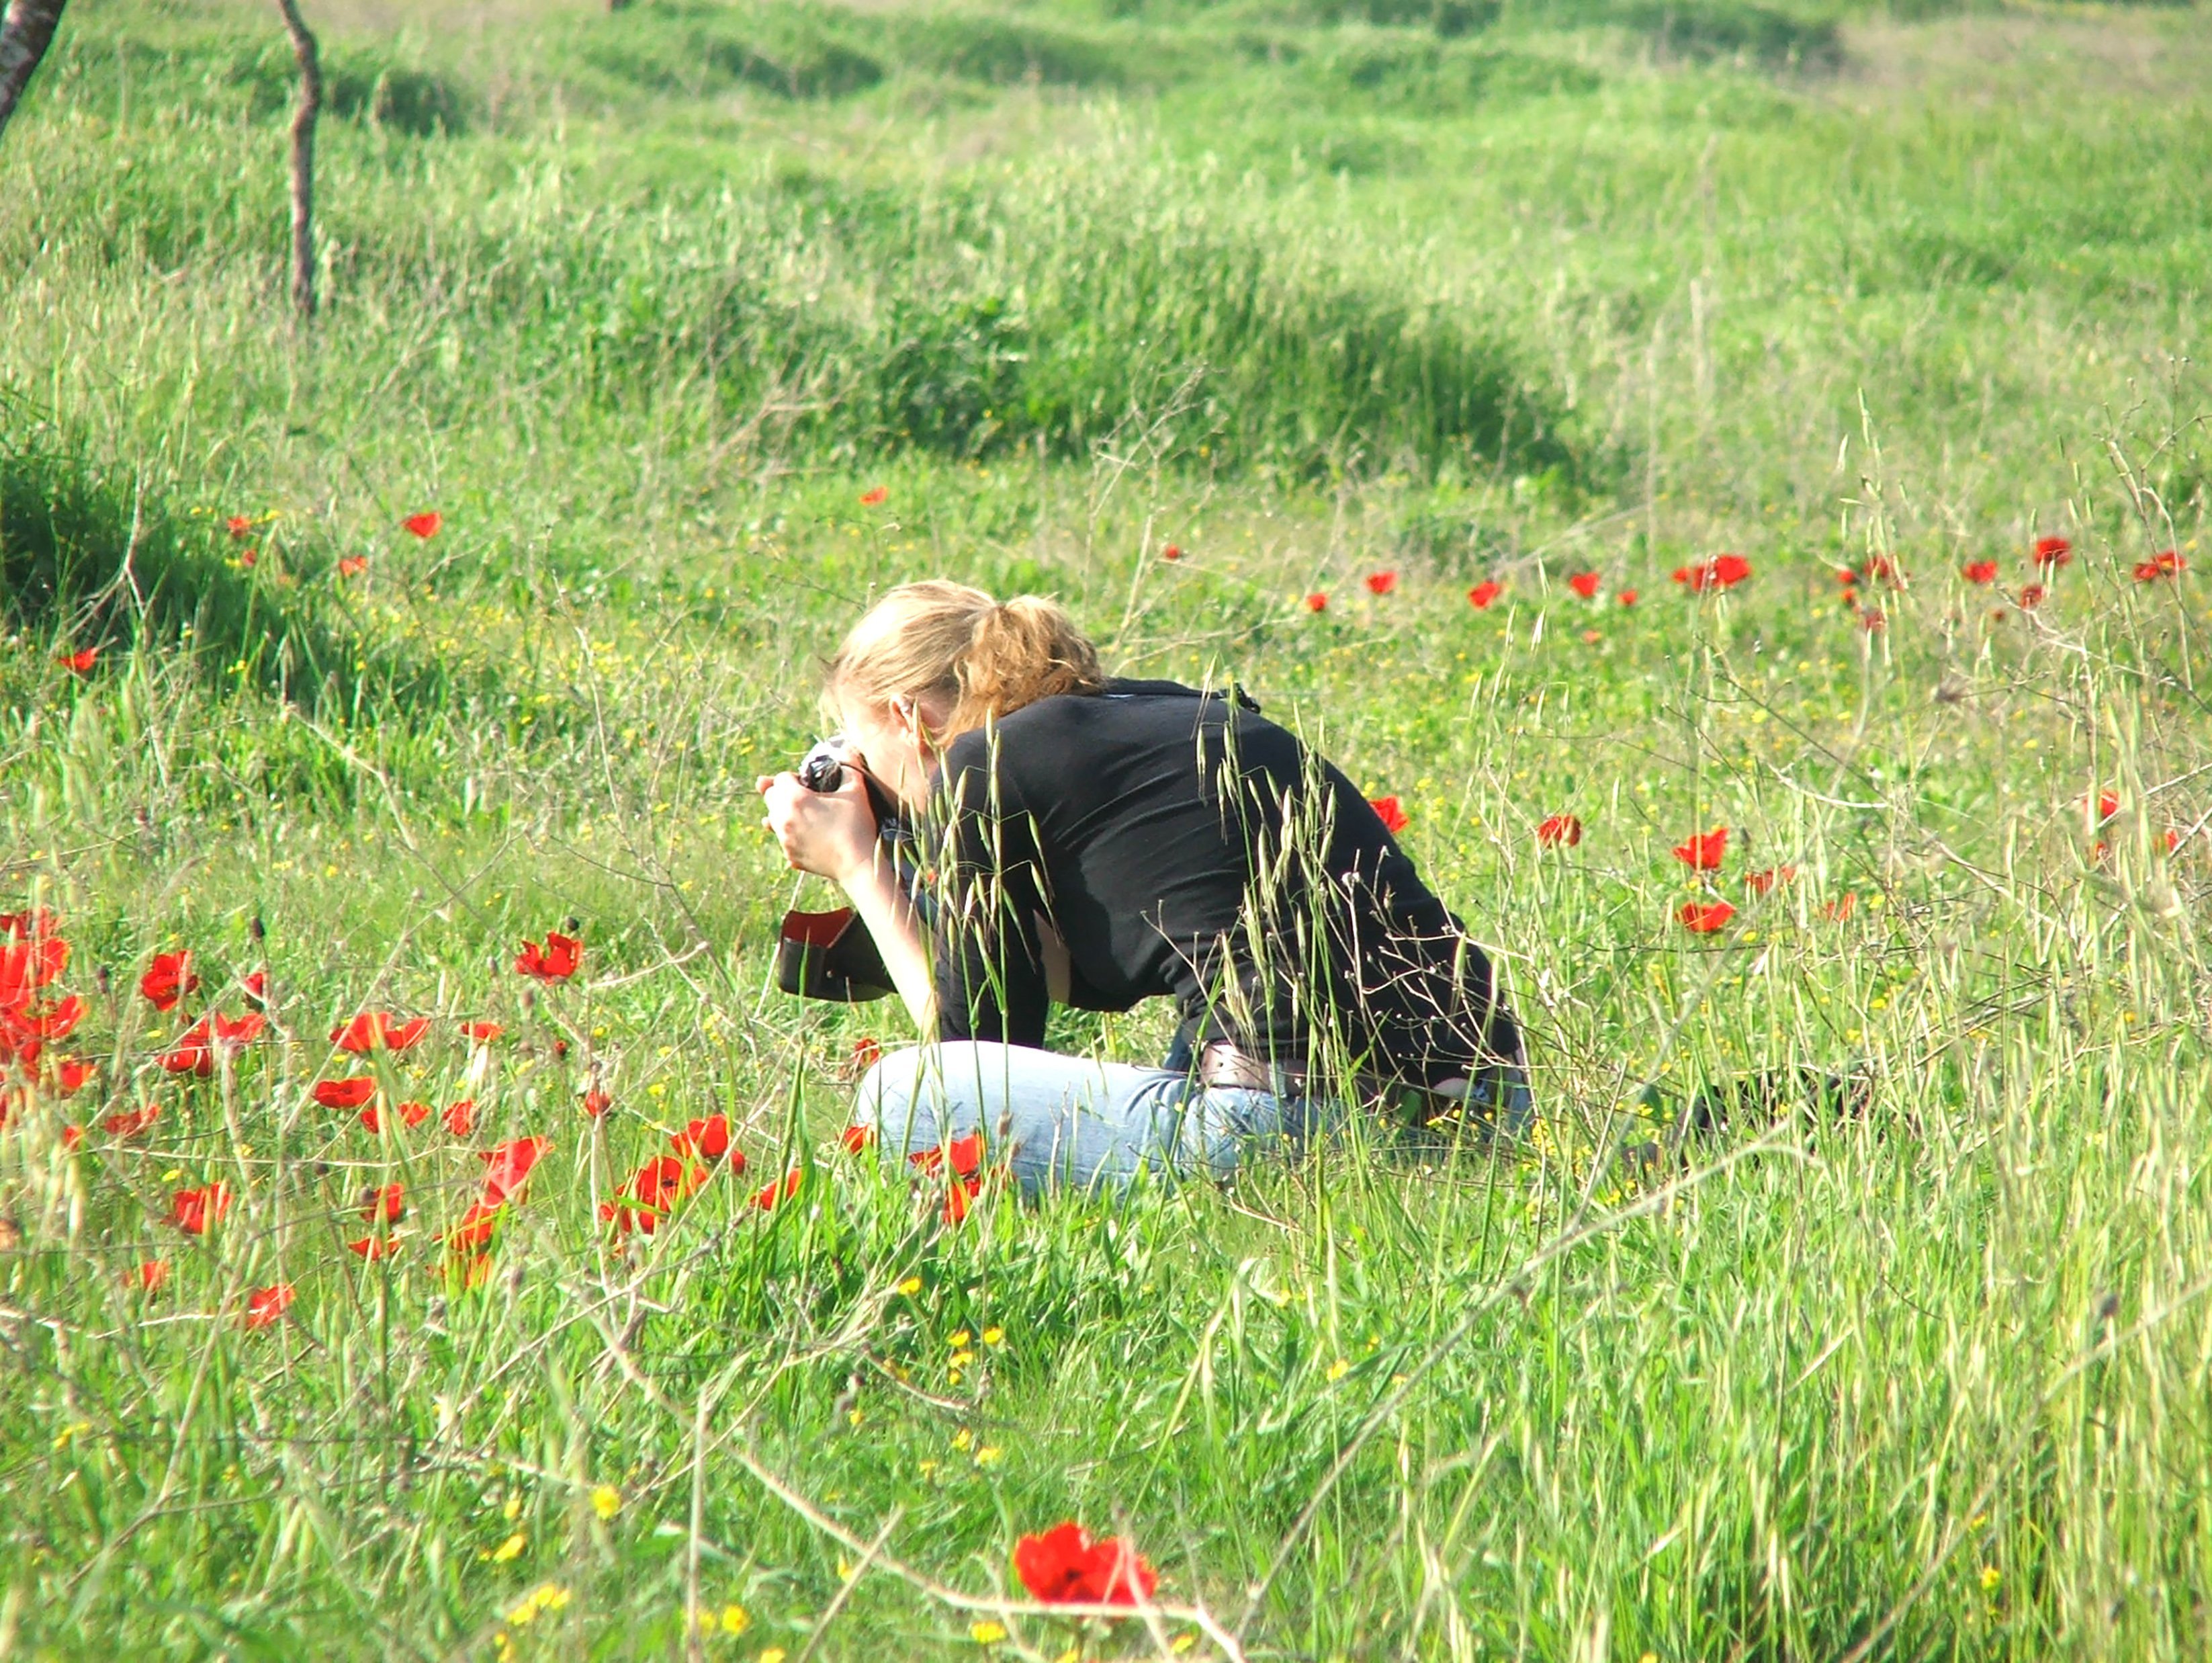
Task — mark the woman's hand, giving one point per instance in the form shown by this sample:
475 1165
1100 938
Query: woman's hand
831 834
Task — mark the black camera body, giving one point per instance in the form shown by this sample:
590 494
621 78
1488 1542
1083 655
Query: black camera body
830 955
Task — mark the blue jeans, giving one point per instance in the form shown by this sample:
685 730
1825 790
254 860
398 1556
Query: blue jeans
1066 1121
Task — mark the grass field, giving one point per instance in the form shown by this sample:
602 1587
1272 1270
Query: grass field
697 324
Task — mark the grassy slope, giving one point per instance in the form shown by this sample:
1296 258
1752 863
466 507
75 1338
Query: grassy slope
1948 1364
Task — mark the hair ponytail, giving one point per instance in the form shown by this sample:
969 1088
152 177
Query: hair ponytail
957 643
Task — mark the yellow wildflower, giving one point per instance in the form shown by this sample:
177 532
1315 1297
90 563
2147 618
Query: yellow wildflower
958 1339
990 1455
510 1549
606 1500
995 1336
910 1286
1991 1577
1338 1369
736 1619
988 1633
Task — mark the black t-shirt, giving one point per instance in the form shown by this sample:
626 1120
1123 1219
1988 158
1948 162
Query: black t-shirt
1181 844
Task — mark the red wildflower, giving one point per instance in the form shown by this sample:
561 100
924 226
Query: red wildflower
254 985
1872 621
240 1032
374 1248
652 1192
410 1114
194 1053
1391 812
965 1153
2032 596
461 1118
239 527
1626 597
362 1033
250 557
1381 583
79 662
474 1230
1064 1566
1836 911
1560 829
707 1139
2172 840
510 1164
389 1203
1585 584
482 1032
776 1191
958 1196
1759 883
1483 593
67 1075
1980 571
866 1053
1705 916
130 1121
264 1305
37 924
869 498
424 526
169 978
1882 569
596 1102
1591 637
52 1021
854 1139
1705 849
2052 552
352 565
193 1211
556 962
1723 571
1170 552
1317 601
344 1094
149 1275
2169 565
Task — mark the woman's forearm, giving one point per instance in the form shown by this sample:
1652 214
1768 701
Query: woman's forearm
884 906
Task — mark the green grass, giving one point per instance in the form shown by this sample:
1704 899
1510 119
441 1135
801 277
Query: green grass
643 304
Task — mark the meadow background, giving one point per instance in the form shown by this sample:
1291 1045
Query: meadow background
697 324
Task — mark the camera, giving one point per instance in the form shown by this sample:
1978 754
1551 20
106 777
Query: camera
830 955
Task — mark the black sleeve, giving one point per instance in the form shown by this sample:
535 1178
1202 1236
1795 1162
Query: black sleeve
989 970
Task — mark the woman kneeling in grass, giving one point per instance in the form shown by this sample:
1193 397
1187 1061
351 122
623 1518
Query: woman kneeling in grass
1098 842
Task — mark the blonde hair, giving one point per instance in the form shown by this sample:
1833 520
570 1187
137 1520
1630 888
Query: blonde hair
957 643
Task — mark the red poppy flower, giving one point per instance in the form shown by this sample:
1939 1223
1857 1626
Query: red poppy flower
707 1139
1723 571
510 1164
1560 829
1872 621
1170 552
866 1053
149 1275
869 498
193 1211
1317 601
131 1122
239 527
2053 551
2032 596
194 1053
1705 916
1064 1566
68 1075
476 1271
654 1192
1626 597
374 1248
362 1034
37 924
556 962
72 1138
255 987
412 1115
461 1118
1585 584
240 1032
1705 849
1381 583
596 1102
854 1139
482 1032
1980 571
958 1194
2169 565
776 1191
424 526
344 1094
965 1153
169 978
1836 911
474 1229
1591 637
79 662
264 1305
2172 840
2108 804
1849 600
1483 593
352 565
1881 568
52 1021
1759 883
389 1203
1390 813
249 558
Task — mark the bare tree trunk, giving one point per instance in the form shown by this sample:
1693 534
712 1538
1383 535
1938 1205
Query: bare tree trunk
26 32
304 114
